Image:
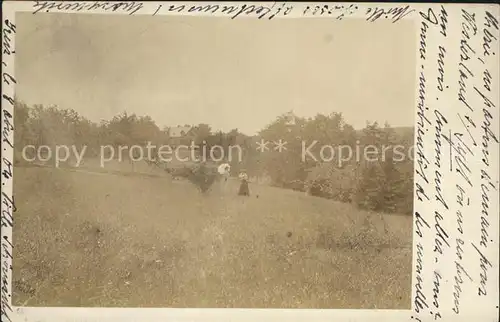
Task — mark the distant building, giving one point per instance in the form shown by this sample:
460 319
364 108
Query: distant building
179 131
181 135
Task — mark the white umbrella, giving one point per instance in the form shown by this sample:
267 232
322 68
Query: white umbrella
224 169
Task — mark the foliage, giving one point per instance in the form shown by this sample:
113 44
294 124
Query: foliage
384 184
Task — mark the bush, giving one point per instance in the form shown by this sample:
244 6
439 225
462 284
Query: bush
330 181
203 177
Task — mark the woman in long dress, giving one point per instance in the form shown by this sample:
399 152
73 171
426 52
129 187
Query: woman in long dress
224 171
244 190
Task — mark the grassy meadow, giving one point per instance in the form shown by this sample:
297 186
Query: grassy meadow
102 238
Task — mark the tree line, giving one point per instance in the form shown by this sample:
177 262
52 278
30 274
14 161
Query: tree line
382 183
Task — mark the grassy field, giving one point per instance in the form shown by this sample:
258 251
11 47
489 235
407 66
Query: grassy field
102 239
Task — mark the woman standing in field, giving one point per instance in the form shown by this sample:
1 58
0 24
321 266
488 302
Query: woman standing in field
225 170
244 190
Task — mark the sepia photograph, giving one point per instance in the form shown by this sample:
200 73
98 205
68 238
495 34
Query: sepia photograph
203 162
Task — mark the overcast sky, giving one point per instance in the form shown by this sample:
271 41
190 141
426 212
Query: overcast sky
238 73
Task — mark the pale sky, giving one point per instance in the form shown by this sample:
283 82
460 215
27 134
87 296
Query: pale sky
238 73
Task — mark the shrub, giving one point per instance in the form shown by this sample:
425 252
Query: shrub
330 181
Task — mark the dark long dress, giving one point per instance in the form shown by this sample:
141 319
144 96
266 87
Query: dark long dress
244 190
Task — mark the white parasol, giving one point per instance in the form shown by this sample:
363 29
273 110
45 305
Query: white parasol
224 169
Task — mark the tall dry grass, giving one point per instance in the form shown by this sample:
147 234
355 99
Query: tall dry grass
85 239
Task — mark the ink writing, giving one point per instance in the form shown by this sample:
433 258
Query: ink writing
394 14
130 7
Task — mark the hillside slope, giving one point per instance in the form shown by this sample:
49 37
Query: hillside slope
150 242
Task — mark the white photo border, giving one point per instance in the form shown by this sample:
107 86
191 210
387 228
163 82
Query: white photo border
446 35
